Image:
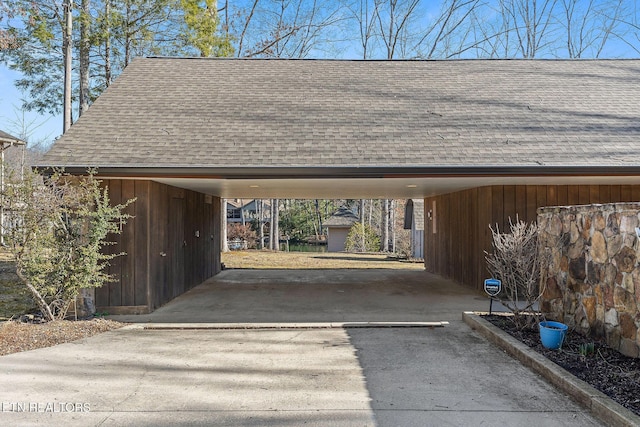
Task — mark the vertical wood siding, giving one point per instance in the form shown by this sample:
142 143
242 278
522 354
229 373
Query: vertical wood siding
462 235
171 244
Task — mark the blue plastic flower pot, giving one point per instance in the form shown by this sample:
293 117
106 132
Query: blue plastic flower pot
552 334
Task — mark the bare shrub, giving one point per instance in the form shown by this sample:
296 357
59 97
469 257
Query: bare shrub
517 261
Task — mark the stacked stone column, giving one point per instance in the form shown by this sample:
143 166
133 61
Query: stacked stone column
593 280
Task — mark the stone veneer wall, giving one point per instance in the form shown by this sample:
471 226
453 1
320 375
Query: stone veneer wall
594 278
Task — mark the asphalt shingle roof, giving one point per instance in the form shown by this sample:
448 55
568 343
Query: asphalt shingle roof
191 112
343 217
10 139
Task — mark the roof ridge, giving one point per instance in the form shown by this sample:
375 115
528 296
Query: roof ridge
417 60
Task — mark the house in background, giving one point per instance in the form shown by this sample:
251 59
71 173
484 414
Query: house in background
6 142
237 208
338 226
414 221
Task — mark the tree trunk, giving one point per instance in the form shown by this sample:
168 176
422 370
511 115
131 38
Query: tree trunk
107 44
276 228
224 246
271 227
67 53
384 244
127 41
393 226
84 56
363 243
319 215
46 310
261 223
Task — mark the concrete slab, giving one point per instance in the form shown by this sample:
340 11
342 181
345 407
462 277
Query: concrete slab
141 377
301 296
453 377
194 374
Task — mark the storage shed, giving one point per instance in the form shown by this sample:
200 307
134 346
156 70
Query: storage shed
338 226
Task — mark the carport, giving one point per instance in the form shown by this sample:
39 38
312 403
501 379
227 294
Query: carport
479 141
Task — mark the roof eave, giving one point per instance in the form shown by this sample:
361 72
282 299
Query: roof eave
349 171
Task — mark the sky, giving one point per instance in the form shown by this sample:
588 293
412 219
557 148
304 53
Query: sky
45 128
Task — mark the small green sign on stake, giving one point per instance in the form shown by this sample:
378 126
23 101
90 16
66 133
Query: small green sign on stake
492 287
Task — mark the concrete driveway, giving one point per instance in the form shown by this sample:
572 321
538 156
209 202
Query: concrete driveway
340 376
274 296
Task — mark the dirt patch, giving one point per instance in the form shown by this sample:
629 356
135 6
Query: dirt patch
594 362
314 260
16 336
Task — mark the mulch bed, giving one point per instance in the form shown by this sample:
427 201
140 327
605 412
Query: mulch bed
607 370
30 334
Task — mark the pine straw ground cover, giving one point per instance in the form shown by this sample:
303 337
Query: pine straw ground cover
17 336
605 369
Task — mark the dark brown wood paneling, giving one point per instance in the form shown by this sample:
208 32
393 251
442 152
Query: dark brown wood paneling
444 238
521 201
158 266
115 287
456 250
584 194
128 241
573 195
141 253
472 231
541 200
606 194
563 195
531 202
594 194
625 193
102 293
177 248
497 206
509 203
635 193
159 202
552 195
484 232
614 193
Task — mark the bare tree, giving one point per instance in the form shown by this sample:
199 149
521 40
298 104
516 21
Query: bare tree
589 25
284 28
85 46
450 33
68 58
274 239
364 12
384 226
530 22
394 18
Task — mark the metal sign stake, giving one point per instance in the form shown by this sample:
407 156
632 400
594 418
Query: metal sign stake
492 287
